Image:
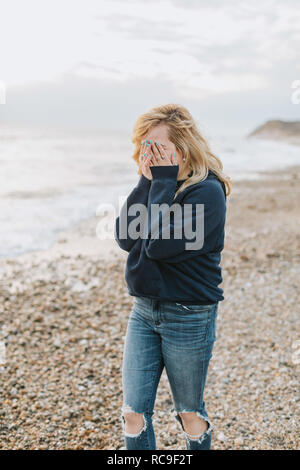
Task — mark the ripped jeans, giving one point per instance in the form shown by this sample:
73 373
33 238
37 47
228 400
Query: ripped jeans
180 338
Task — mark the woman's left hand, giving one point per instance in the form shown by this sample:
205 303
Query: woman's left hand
160 157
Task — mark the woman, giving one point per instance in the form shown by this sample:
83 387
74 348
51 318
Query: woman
173 278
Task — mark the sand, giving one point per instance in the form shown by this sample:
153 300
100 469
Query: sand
64 313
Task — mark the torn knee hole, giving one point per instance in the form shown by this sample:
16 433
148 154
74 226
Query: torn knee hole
133 423
192 420
189 424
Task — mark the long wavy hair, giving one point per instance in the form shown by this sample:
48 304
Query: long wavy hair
183 132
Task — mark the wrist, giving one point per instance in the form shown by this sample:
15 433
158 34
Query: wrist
164 171
144 182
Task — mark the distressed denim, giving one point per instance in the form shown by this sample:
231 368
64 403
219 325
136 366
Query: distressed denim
180 338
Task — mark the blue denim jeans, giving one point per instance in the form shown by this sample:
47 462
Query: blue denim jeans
180 338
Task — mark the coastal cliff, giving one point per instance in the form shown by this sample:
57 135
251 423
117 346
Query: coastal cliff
288 131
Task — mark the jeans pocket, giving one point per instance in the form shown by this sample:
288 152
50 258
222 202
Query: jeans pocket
196 308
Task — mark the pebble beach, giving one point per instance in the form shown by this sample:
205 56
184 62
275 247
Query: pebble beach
63 320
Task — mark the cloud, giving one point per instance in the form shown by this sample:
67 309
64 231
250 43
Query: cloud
144 28
107 63
92 103
212 47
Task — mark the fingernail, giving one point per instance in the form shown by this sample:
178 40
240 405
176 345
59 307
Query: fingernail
147 145
143 141
150 141
174 154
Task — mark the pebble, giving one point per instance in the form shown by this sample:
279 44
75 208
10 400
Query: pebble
63 322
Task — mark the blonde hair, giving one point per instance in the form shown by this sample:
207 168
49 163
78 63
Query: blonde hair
183 132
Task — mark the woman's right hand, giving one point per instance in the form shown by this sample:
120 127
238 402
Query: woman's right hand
146 159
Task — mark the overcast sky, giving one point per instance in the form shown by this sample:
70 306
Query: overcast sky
100 63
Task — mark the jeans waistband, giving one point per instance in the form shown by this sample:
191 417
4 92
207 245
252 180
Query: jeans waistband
155 303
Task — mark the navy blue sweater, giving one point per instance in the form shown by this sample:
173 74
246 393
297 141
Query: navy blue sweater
164 269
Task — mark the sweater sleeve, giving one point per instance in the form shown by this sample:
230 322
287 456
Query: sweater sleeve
194 230
139 195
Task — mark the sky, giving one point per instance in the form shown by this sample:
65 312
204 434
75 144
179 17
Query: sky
101 63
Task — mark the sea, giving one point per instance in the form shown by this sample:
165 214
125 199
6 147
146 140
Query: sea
52 179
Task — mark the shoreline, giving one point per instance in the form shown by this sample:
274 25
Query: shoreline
81 239
64 313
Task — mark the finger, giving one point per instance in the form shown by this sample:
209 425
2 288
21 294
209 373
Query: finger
151 154
163 155
147 151
174 158
148 159
156 155
147 156
142 150
163 152
160 154
158 150
143 157
145 146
